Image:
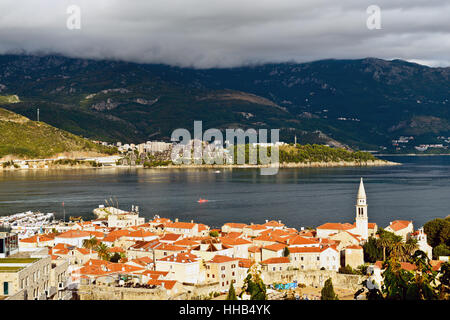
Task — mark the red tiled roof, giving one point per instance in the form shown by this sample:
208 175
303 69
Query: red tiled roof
299 240
245 263
167 284
171 237
399 224
74 234
181 225
336 226
181 258
276 260
221 259
275 247
235 225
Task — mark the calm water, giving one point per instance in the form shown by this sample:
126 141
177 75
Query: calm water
417 190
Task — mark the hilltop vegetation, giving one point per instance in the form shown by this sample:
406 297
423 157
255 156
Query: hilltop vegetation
23 138
320 153
9 99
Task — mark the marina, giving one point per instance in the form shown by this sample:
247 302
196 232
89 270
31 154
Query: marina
26 224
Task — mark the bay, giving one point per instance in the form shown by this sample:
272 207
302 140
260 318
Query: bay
418 190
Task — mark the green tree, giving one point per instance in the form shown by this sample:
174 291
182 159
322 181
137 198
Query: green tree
433 230
115 257
91 243
444 282
372 252
103 251
327 292
231 293
254 285
346 270
214 233
441 250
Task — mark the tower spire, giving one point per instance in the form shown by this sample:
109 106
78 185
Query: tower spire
361 191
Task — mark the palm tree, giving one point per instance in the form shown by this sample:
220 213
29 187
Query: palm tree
103 251
90 243
384 242
411 246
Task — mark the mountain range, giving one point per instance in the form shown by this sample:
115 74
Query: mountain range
362 104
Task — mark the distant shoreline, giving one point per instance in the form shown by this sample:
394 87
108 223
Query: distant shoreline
411 155
330 164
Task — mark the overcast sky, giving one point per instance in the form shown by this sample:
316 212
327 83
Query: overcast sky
211 33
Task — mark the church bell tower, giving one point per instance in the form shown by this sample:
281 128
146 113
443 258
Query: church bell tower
362 227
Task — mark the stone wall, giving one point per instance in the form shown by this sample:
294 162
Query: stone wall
314 278
103 292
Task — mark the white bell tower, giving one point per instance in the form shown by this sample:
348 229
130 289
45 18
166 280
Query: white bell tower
362 226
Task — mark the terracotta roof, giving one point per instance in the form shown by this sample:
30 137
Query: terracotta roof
354 247
256 227
275 247
399 224
254 249
235 225
335 226
33 239
144 245
181 258
276 260
233 235
310 249
169 247
167 284
300 240
221 259
74 234
185 243
171 237
181 225
245 263
140 234
273 224
234 241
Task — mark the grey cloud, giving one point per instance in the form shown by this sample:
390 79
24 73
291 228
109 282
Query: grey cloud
211 33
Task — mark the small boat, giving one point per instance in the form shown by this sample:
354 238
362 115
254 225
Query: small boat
217 171
202 200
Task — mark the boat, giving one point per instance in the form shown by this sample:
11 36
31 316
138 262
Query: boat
217 171
202 200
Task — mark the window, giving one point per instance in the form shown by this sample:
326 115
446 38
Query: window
301 258
222 268
281 268
232 273
5 288
274 268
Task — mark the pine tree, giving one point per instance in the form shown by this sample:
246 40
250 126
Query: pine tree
231 293
327 292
